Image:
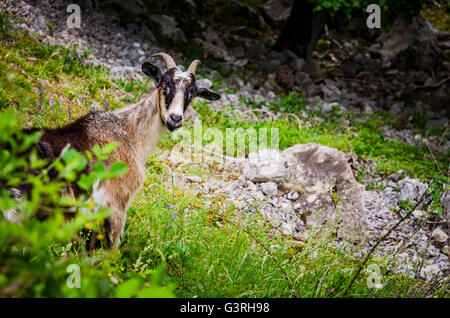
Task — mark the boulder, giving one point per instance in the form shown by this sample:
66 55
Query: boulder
213 51
169 27
329 191
408 46
269 188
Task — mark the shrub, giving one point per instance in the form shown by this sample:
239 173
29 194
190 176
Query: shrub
40 258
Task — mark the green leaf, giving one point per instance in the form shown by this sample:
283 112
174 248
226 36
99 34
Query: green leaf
128 288
118 169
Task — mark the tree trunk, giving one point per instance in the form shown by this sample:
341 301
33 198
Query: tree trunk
302 30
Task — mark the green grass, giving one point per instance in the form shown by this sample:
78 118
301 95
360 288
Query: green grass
361 135
27 66
206 256
197 252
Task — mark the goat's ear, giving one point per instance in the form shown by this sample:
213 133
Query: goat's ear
207 94
152 71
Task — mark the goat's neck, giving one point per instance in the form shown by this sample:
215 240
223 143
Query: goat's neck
144 125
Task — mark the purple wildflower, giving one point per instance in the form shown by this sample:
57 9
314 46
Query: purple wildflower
106 102
50 102
69 111
330 290
175 216
170 207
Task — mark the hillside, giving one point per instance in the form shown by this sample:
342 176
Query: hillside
209 227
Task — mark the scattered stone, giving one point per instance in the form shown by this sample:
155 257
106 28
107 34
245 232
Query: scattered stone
95 107
195 179
269 188
204 82
411 190
439 235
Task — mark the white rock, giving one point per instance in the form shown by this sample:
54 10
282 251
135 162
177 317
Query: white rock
293 196
204 82
265 165
286 207
251 186
258 195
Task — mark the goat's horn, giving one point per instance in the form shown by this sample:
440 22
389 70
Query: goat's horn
193 66
170 63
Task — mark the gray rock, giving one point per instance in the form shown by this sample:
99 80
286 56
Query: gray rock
195 179
258 195
169 26
445 201
270 65
265 165
212 37
439 235
270 189
302 79
321 171
408 45
277 11
232 99
412 190
238 52
297 64
213 51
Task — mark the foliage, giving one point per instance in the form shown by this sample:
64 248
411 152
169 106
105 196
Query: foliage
35 255
392 8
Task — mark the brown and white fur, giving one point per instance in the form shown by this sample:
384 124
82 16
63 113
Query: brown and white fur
137 129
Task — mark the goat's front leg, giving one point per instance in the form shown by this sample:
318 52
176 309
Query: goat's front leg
114 227
112 194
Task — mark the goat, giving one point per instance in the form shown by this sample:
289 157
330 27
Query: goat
137 129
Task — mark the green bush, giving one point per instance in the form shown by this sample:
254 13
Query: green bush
39 258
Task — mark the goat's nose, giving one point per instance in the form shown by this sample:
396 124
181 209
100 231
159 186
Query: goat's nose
176 118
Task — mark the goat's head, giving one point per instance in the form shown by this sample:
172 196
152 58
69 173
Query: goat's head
176 89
